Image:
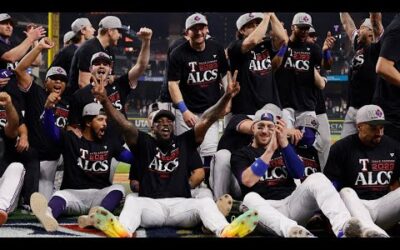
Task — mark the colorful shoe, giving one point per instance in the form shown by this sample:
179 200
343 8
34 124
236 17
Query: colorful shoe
41 210
109 224
224 204
242 225
299 232
351 229
87 220
3 217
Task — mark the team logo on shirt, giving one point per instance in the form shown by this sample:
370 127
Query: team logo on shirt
93 162
374 173
61 116
358 59
276 173
166 163
260 63
310 166
3 118
298 60
202 74
115 99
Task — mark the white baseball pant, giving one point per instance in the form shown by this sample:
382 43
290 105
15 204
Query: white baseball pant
349 124
10 186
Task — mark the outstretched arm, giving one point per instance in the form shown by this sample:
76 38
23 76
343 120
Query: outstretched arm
376 22
143 59
24 79
386 69
257 35
129 131
348 24
218 110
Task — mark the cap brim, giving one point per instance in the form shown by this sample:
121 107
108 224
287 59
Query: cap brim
196 24
164 114
102 59
64 77
378 122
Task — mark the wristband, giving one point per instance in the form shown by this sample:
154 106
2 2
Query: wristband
259 167
282 50
182 106
327 55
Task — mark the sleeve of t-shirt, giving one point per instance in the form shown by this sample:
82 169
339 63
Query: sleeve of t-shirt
174 66
239 163
390 47
142 144
123 84
190 139
223 66
235 121
333 165
84 60
195 161
3 49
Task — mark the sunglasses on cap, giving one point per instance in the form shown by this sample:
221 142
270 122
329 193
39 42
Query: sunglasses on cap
61 78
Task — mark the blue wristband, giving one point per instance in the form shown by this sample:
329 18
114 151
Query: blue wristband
327 55
282 50
182 106
259 167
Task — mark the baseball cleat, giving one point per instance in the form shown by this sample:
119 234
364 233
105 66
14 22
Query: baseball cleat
299 232
224 204
242 225
109 224
371 233
3 217
87 220
42 212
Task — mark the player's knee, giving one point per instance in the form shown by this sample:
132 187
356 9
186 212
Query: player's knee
222 160
118 187
16 168
204 203
251 196
317 180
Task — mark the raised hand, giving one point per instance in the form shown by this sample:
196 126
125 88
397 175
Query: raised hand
273 144
52 100
46 43
189 118
35 33
98 89
281 133
233 87
144 34
5 99
329 41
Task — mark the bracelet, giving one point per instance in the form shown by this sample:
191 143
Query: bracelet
259 167
182 106
282 50
327 55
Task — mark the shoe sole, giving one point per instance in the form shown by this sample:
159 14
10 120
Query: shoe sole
224 204
3 217
299 232
109 224
39 209
242 225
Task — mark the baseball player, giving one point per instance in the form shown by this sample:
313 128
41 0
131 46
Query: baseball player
388 86
268 184
11 175
252 54
67 38
297 78
82 30
362 75
166 163
87 167
195 71
365 168
55 81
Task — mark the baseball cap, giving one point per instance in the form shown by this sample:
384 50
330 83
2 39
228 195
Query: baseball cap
57 71
245 18
68 36
307 121
163 113
93 108
371 114
270 112
302 19
194 19
311 31
100 55
79 23
4 16
110 22
367 23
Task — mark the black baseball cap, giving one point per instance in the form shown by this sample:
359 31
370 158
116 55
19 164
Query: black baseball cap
163 113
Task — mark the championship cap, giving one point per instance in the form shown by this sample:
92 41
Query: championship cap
367 23
68 36
371 114
102 56
245 18
110 22
194 19
270 112
93 108
163 113
311 31
4 16
57 71
79 23
307 121
302 19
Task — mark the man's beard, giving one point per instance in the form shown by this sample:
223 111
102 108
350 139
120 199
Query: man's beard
96 137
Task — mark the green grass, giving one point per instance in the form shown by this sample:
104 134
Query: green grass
123 168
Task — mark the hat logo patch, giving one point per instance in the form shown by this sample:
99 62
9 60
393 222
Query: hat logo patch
305 19
197 18
251 15
267 117
59 70
378 113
